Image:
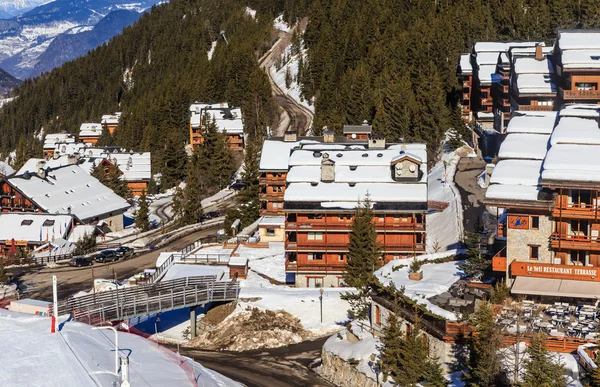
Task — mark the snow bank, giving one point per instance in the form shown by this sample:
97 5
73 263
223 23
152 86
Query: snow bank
280 24
31 356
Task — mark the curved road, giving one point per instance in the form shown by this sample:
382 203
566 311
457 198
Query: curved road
278 367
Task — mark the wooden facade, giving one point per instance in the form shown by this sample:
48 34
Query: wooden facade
319 242
235 142
467 82
580 86
12 200
272 188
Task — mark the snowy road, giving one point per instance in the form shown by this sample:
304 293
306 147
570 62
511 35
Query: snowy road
471 193
279 367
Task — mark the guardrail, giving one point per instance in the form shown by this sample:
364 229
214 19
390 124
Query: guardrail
206 258
129 302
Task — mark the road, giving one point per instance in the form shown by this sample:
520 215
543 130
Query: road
471 193
278 367
38 284
293 116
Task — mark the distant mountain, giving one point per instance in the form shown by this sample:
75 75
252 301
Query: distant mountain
11 8
7 82
66 47
25 37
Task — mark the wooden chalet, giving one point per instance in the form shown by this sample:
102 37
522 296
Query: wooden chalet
228 120
110 122
90 132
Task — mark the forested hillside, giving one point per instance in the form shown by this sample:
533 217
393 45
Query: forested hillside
152 72
393 62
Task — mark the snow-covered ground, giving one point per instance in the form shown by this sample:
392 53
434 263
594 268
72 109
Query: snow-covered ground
280 24
437 279
445 229
210 52
80 356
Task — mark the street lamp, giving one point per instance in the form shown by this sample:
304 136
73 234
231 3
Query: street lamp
321 301
116 346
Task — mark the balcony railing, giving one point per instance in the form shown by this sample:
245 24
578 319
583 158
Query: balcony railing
575 242
400 226
324 245
579 94
466 84
272 180
536 108
271 196
316 267
577 211
499 261
487 101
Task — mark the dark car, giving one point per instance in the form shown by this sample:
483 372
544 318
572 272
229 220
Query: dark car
237 185
209 215
124 251
106 256
80 261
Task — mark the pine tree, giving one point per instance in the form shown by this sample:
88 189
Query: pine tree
542 368
142 217
413 351
364 255
85 245
476 262
485 367
248 208
288 78
3 276
434 376
115 182
173 163
391 345
594 375
187 203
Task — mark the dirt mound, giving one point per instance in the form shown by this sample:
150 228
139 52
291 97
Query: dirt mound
252 328
219 313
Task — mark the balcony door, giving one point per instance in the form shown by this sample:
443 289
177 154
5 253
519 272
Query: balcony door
579 228
579 257
579 198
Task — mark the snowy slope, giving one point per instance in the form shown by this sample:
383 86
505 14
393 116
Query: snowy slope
10 8
31 356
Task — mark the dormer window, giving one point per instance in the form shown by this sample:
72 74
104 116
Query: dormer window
48 223
353 167
26 222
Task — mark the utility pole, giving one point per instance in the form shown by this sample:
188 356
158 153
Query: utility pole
321 302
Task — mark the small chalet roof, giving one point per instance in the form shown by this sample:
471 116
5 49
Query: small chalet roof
529 51
134 165
502 46
358 129
33 227
345 193
52 139
580 110
90 129
272 221
581 59
110 119
517 172
524 146
535 84
238 261
275 154
69 188
578 40
576 130
532 122
512 192
486 72
572 163
532 66
465 64
85 163
63 148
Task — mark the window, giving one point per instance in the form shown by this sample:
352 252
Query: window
270 232
48 223
26 222
314 282
579 198
578 257
535 222
315 236
315 256
586 86
340 282
341 257
579 228
534 252
377 315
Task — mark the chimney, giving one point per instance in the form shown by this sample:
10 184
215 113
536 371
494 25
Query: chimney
329 136
290 136
39 169
327 169
539 55
376 142
73 159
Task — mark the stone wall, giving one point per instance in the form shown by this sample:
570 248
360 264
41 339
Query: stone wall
518 241
341 373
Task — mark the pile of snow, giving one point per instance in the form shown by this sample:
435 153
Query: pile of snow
31 356
210 52
250 12
280 24
437 279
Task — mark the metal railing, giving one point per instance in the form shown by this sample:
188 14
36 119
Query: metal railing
206 258
128 302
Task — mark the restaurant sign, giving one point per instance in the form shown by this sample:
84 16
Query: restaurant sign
518 221
528 269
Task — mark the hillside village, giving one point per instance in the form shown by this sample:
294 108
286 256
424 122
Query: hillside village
306 239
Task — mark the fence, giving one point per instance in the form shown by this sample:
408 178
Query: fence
206 258
124 303
51 258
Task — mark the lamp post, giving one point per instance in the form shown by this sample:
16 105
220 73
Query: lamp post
375 366
116 346
321 302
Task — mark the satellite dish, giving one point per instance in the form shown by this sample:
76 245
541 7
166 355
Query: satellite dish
354 136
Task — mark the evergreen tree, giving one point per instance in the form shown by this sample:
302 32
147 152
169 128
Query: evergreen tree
364 257
3 276
434 377
85 245
594 375
485 367
173 163
248 208
187 203
476 262
391 344
214 158
541 367
142 217
115 182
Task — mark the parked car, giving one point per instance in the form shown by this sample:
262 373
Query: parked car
80 261
209 215
237 185
106 256
124 252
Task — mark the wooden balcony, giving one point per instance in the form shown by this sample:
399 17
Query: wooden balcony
392 247
274 196
343 246
574 242
581 95
536 108
380 227
322 267
576 211
466 84
272 180
486 101
499 261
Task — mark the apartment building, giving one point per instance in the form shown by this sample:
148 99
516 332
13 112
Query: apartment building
110 122
228 120
90 132
53 139
465 75
546 187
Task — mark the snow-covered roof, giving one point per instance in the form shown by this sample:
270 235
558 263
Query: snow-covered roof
580 110
344 193
517 172
70 148
465 64
581 59
272 221
275 154
529 51
532 66
524 146
33 227
535 84
228 120
52 139
31 165
579 40
572 162
360 157
110 119
81 231
502 46
69 188
238 261
134 165
576 130
343 174
185 270
5 169
90 129
532 122
486 72
512 192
